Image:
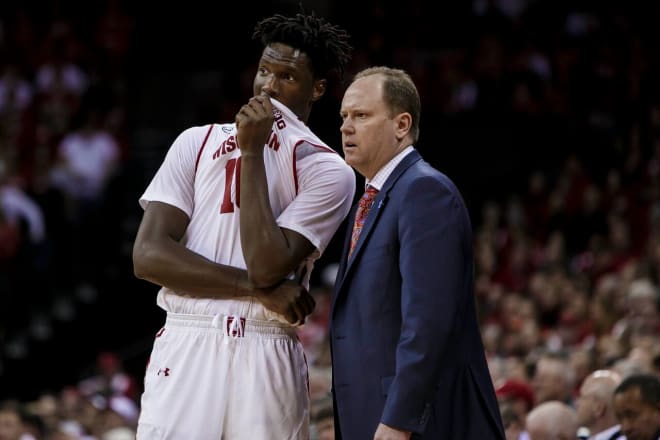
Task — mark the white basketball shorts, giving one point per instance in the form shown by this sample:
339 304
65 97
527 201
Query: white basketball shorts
225 378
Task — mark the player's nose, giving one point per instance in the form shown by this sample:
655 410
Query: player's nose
269 87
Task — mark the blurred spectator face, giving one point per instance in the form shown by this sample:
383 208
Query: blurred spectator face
594 405
510 312
582 363
108 364
491 212
551 380
639 420
609 349
552 421
485 257
88 415
69 403
513 426
517 395
11 427
326 429
516 368
512 431
588 405
642 316
643 312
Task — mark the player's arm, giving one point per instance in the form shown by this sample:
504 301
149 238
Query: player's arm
159 257
271 252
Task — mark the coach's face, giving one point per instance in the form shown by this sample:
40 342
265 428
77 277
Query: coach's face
371 135
285 73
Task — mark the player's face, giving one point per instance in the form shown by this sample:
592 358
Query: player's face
368 131
639 421
285 73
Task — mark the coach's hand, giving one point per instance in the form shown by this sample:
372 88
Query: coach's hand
254 122
289 299
384 432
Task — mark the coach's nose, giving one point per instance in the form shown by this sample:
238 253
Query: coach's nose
346 126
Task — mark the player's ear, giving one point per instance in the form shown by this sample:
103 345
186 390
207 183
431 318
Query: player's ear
318 89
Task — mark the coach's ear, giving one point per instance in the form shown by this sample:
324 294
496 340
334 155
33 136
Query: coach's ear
403 123
319 89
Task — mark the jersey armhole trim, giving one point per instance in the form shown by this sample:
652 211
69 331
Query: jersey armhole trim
199 153
295 162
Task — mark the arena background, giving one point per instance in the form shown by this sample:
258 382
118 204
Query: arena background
497 107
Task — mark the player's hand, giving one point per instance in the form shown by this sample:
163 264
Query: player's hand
254 122
289 299
384 432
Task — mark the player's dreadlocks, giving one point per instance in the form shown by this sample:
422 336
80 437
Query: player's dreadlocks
325 44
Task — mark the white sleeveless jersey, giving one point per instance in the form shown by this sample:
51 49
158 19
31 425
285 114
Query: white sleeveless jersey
310 190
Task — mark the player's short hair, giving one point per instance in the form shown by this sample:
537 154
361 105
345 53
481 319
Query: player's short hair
326 45
399 94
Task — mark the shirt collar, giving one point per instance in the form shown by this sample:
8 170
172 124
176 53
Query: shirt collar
381 176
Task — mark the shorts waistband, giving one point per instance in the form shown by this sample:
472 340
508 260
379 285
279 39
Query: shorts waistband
235 326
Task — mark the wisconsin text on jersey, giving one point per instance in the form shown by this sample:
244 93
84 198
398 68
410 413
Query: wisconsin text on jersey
273 143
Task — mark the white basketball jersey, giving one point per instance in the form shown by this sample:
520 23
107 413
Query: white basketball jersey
310 191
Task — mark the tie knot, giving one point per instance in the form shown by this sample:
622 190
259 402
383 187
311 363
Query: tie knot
368 196
370 193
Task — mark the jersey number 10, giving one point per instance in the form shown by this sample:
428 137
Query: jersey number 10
233 168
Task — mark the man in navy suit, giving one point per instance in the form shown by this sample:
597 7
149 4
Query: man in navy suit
407 355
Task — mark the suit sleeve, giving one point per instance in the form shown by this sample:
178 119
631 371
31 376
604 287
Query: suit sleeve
432 260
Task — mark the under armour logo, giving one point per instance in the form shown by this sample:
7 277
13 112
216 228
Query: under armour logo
164 371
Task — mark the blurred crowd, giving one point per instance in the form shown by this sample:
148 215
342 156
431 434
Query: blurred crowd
545 113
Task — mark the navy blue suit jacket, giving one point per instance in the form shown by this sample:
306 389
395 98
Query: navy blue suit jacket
406 344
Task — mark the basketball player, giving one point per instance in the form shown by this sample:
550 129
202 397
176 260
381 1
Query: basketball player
233 221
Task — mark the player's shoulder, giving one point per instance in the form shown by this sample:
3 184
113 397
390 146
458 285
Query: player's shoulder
316 159
201 134
207 130
314 151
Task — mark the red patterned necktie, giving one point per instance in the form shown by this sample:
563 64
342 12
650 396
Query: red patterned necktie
364 206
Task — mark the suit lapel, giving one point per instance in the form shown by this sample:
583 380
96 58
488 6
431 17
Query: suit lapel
347 240
380 203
